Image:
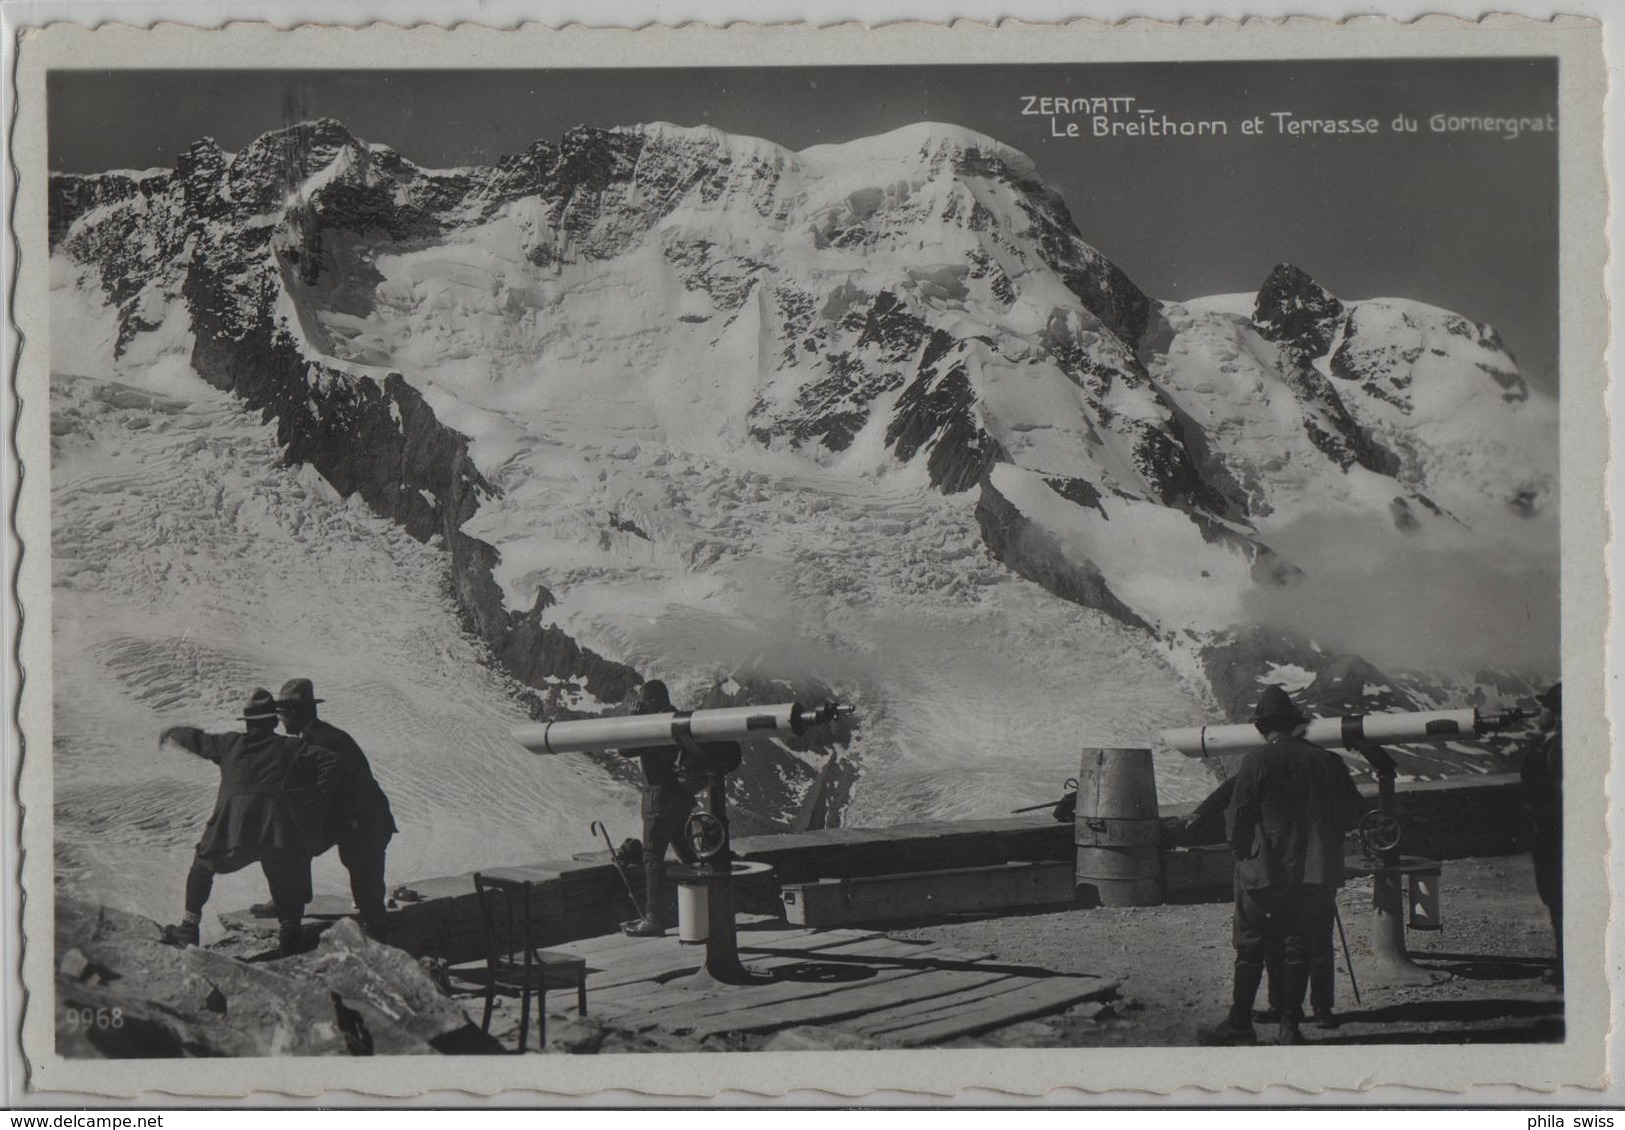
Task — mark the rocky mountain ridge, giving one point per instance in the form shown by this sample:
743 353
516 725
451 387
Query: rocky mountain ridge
524 361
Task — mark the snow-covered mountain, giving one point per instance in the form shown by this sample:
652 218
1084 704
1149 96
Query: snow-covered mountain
869 418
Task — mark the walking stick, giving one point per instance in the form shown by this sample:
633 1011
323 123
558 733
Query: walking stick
1348 958
598 826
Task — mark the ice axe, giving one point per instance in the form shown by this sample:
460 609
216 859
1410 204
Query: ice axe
1348 958
1071 790
614 858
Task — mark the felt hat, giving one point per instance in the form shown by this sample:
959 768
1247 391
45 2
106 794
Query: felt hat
298 692
1552 699
653 698
1276 705
260 706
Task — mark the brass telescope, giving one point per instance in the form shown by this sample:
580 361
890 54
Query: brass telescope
640 731
1351 731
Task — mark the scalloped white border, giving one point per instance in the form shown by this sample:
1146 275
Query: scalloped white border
1343 1074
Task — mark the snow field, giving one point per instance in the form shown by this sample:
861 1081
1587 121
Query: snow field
188 568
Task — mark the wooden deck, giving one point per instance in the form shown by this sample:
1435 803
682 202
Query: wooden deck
860 984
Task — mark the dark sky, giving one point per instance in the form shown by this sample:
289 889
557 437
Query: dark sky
1463 220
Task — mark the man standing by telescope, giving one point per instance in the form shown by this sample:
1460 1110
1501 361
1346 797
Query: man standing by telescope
667 802
1542 774
1291 804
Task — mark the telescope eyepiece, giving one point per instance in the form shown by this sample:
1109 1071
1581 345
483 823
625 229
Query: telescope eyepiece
824 714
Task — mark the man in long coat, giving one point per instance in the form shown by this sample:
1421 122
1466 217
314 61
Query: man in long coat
1542 774
359 819
1291 805
268 811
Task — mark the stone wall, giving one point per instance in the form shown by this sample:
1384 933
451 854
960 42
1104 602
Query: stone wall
584 897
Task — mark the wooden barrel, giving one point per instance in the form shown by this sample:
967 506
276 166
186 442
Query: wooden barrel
1118 829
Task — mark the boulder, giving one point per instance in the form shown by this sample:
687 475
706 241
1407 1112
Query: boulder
395 995
349 996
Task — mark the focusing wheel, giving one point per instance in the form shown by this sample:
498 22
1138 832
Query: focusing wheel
705 834
1379 830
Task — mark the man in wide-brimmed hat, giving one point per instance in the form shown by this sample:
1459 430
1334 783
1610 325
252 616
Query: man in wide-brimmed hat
1291 804
268 811
1542 773
665 806
359 819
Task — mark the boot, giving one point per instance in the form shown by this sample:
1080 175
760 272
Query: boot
1294 980
1271 1014
290 939
1237 1028
1322 990
643 928
182 934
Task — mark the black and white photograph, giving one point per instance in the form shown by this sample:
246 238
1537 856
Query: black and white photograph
811 554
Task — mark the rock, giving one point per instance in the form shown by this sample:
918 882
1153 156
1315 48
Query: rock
349 996
390 989
806 1039
75 966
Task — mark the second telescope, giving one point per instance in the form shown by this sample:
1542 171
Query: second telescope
640 731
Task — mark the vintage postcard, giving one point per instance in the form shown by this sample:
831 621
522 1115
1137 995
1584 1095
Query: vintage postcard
778 559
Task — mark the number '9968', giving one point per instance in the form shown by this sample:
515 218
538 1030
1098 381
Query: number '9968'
95 1018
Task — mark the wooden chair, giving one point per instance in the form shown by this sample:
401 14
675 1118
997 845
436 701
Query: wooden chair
512 960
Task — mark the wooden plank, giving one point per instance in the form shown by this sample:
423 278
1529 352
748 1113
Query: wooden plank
664 963
841 1002
896 955
890 962
910 1013
665 957
659 966
810 1000
604 944
750 926
1037 999
892 959
644 998
674 1006
889 958
666 966
842 941
627 1005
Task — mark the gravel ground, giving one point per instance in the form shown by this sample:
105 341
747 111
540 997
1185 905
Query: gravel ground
1174 964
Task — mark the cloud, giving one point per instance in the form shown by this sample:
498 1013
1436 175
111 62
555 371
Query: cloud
1426 604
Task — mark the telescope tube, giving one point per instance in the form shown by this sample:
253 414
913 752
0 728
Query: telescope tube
1348 732
640 731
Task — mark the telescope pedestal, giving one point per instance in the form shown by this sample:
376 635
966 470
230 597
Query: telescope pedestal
722 965
1393 965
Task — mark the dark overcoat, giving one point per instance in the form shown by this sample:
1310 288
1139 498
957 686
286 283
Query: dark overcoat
268 803
358 810
1292 803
